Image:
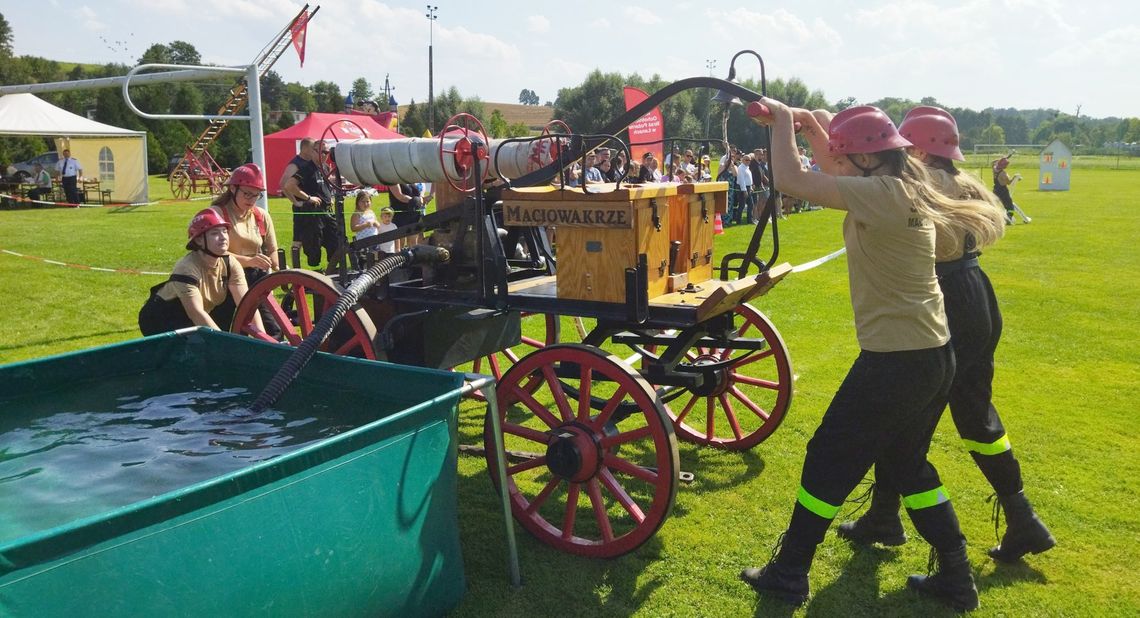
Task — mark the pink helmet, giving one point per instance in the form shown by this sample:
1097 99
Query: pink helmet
203 222
863 129
934 130
1001 164
248 175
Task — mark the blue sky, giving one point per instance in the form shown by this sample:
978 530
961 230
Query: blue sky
972 53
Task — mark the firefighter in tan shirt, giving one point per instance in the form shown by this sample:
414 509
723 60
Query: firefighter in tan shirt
887 407
204 287
975 326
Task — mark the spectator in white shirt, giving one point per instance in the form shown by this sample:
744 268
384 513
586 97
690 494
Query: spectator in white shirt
69 170
745 200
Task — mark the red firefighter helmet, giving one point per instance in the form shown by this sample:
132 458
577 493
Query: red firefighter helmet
934 130
863 129
203 222
248 175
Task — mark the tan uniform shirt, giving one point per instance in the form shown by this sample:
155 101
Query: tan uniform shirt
212 285
890 267
245 238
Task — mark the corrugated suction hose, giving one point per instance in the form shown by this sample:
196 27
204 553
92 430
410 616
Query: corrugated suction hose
418 254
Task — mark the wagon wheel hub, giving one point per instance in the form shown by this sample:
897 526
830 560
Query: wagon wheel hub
574 453
716 378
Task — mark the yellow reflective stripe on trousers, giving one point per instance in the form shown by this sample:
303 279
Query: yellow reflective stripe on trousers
926 499
815 505
997 447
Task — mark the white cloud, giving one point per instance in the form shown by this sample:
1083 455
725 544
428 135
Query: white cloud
600 23
1117 48
641 15
91 19
538 24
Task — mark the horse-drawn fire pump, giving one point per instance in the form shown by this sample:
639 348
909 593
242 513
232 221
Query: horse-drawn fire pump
591 436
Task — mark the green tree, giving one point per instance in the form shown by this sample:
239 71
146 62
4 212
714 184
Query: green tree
156 157
844 103
182 52
5 39
589 106
362 90
497 125
329 97
992 134
273 91
301 99
413 123
1015 127
528 97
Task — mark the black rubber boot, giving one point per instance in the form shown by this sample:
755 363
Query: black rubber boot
1025 533
952 583
785 577
880 524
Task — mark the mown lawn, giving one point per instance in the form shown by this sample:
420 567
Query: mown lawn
1067 383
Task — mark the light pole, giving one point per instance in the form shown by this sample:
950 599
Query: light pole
431 15
710 65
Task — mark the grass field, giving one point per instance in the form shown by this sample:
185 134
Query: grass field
1067 383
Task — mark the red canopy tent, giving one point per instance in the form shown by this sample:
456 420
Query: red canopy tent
282 146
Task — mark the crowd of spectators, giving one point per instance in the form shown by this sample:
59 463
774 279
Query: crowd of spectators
747 174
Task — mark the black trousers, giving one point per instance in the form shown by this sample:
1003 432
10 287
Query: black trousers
70 189
884 413
160 316
38 193
315 230
975 329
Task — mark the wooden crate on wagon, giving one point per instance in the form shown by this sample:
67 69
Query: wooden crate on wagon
600 235
692 216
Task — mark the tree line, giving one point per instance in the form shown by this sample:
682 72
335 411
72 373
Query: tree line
599 98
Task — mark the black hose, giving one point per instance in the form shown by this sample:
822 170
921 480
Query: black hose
292 367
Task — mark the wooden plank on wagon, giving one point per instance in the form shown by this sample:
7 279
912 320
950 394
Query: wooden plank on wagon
740 291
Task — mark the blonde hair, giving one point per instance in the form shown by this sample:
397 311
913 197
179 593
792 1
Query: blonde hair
975 211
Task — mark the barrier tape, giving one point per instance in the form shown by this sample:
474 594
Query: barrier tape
16 198
124 271
819 261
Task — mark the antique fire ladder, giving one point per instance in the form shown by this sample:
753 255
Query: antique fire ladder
198 171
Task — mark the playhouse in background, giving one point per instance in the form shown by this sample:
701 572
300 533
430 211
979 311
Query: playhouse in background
1056 162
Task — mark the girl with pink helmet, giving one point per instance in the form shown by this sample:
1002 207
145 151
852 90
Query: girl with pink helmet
204 287
1002 182
885 411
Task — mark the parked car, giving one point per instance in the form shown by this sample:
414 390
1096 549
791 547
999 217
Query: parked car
48 160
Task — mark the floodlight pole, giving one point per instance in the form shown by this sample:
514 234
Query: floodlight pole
431 15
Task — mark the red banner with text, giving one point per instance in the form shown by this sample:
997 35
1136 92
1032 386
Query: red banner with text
646 134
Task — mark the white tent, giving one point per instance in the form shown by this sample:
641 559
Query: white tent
114 156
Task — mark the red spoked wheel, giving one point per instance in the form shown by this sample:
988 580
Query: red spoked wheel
594 481
746 392
325 162
538 331
292 302
181 185
470 141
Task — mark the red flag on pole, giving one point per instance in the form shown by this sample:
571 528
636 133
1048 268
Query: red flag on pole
298 30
